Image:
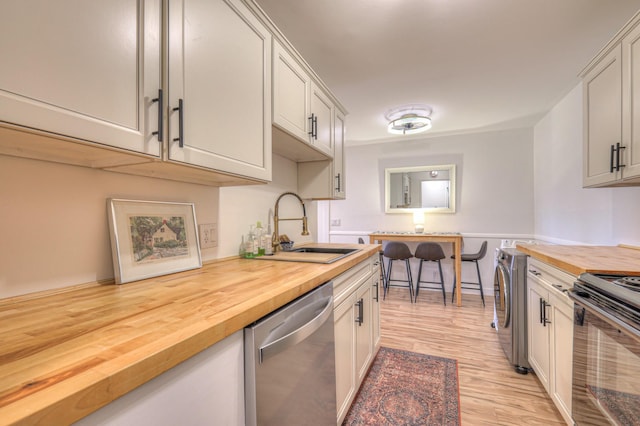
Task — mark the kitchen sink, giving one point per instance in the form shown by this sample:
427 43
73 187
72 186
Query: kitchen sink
330 250
312 254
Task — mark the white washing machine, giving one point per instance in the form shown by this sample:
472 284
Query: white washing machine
510 306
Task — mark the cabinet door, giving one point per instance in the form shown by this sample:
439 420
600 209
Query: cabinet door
538 331
339 176
631 103
322 110
291 90
88 70
364 329
344 319
220 70
602 99
561 355
375 306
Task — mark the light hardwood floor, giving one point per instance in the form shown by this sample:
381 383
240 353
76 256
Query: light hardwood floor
491 392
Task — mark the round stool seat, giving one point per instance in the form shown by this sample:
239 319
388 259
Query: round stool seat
397 251
429 251
472 257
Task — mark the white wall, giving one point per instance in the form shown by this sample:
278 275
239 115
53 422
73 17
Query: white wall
53 218
564 211
494 191
244 205
494 183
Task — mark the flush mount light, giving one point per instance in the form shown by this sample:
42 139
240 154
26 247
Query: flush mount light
409 120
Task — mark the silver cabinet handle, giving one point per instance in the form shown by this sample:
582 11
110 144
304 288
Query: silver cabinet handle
299 334
360 306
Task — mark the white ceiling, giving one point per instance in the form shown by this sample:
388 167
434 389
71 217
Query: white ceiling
480 64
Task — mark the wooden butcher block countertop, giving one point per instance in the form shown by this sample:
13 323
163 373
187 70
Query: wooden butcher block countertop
65 354
623 260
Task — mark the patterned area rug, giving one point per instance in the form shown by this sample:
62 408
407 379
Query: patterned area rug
623 407
407 388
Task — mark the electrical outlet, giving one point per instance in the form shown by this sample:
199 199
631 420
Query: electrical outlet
335 222
208 235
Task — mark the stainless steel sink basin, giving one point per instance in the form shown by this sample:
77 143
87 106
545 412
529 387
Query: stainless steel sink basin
312 254
330 250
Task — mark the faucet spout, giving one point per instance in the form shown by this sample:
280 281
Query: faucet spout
276 219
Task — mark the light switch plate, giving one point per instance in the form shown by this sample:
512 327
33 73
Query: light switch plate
208 233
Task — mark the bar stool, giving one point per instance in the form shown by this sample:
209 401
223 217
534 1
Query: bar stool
472 257
430 252
395 250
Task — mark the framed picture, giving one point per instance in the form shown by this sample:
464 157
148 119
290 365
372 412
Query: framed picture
152 238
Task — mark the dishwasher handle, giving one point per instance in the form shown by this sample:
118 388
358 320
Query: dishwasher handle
305 330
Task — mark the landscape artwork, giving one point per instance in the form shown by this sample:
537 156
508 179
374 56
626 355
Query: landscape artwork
154 238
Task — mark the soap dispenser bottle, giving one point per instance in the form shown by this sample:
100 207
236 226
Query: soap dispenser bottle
251 239
254 241
260 238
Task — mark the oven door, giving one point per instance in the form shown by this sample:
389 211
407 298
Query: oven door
606 368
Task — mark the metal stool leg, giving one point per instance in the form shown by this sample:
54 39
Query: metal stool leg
409 279
383 276
418 282
386 281
480 282
444 294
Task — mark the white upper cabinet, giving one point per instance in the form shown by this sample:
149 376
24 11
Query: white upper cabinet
291 91
611 93
631 103
321 132
325 179
339 175
301 108
86 70
179 90
219 87
602 108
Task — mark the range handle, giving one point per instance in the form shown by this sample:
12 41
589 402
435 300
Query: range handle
304 330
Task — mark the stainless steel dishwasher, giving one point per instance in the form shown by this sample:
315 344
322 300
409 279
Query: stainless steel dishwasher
290 376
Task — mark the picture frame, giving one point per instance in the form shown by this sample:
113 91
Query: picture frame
152 238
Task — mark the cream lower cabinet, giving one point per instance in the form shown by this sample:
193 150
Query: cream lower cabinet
356 319
376 284
90 71
550 332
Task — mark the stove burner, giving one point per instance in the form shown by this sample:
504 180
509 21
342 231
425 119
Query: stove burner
632 283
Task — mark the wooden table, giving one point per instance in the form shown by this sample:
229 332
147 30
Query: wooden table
453 238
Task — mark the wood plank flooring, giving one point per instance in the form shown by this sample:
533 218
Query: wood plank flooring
491 392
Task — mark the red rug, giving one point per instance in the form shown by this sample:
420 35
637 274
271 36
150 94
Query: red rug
407 388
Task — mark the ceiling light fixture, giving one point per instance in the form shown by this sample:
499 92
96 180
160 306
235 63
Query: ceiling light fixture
409 120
